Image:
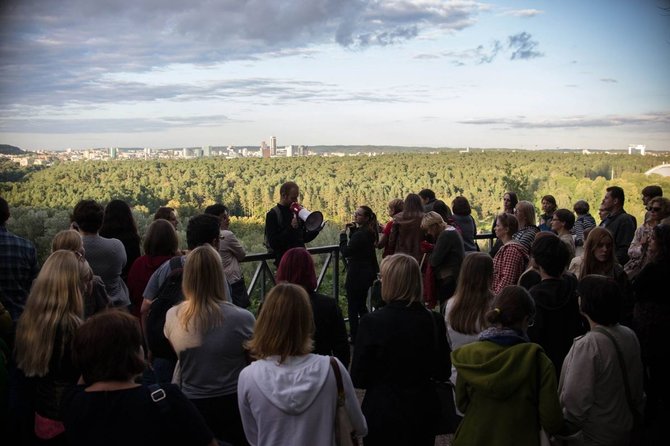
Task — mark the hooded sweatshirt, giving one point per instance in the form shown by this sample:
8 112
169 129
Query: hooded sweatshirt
557 318
506 393
294 402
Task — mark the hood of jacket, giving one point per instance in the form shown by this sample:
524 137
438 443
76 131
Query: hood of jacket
496 371
293 385
555 293
407 221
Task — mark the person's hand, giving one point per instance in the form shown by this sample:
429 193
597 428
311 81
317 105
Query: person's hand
294 222
426 247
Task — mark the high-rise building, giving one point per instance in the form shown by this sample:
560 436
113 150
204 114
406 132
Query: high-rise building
113 152
289 151
265 150
273 146
206 150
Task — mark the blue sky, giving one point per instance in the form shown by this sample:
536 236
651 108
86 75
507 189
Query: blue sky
168 73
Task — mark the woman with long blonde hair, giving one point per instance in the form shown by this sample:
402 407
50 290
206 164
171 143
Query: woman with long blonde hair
44 332
208 332
94 294
288 395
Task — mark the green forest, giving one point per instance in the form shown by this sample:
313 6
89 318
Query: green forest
42 199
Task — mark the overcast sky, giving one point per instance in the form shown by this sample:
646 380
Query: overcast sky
169 73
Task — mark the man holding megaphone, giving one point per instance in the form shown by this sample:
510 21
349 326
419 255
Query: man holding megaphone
288 224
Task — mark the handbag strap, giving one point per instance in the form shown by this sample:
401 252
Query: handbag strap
338 380
622 365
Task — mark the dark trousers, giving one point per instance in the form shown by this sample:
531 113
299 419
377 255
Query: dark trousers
238 292
356 298
222 416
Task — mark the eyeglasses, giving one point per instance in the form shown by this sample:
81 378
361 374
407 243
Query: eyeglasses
654 209
531 321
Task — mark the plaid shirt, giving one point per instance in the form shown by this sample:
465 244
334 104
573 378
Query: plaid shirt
18 268
508 264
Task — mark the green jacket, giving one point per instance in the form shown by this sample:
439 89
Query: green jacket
506 394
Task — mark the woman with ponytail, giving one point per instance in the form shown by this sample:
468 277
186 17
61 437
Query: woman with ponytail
505 379
362 267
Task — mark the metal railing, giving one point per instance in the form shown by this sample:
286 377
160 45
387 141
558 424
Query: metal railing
264 273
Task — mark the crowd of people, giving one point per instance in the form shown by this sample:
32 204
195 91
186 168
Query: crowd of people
557 331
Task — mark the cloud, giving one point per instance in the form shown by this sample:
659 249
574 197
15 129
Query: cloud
523 47
524 13
609 80
114 125
57 49
520 45
658 119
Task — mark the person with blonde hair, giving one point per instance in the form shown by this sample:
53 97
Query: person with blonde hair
44 332
288 395
400 348
207 332
94 294
524 212
446 254
465 312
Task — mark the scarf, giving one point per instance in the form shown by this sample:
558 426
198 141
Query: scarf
503 336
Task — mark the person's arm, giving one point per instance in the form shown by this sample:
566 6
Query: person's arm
351 403
578 381
249 422
443 358
232 244
341 348
276 234
358 242
551 416
635 248
364 365
623 238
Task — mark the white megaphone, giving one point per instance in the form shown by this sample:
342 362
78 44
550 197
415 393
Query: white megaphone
313 220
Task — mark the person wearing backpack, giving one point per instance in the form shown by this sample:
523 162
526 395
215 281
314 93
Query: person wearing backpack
283 229
163 291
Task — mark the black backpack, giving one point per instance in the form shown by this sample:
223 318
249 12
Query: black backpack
169 294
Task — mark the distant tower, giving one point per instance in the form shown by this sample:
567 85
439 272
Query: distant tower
273 146
113 152
639 147
206 150
289 151
265 150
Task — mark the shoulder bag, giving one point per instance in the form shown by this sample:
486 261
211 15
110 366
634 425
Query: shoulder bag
637 432
345 435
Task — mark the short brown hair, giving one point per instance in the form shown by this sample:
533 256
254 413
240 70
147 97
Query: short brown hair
88 215
107 347
461 206
508 221
285 324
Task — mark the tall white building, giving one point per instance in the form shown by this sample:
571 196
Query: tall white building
273 146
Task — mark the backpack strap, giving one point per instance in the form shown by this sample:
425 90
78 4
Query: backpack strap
159 397
338 380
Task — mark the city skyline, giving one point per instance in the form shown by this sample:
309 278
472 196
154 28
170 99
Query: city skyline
519 74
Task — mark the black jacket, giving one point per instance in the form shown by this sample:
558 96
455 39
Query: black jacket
330 334
395 356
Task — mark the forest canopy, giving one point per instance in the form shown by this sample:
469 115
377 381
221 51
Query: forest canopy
335 186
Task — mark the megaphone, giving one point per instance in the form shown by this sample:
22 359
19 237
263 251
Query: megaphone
313 220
